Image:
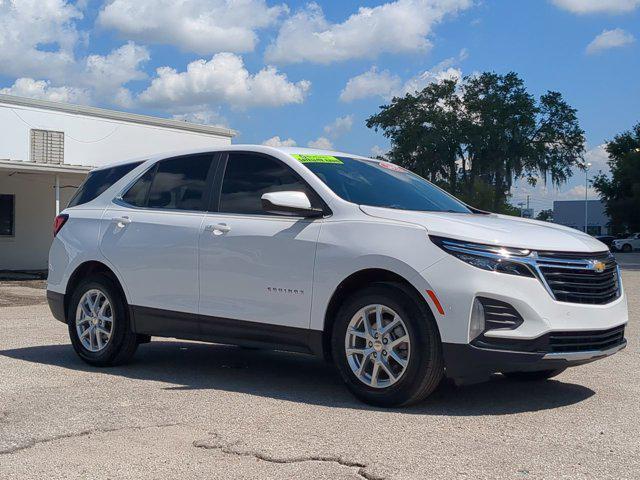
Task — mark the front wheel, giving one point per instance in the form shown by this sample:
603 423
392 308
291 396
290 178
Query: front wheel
387 347
626 248
98 322
534 376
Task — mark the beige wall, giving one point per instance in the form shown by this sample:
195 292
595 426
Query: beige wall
34 213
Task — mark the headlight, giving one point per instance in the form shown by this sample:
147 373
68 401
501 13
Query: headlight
487 257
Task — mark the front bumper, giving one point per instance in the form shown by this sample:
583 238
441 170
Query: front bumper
470 364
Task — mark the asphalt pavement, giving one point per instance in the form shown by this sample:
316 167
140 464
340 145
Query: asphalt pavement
193 410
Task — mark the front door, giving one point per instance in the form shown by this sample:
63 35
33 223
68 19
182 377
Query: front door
254 266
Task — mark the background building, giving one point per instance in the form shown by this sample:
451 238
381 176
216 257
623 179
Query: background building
571 214
48 148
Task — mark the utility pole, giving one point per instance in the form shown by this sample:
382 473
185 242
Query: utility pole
586 194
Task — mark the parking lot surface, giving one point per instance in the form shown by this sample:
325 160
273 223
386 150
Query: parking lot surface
193 410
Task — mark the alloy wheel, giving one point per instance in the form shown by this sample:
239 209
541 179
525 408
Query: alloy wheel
94 320
377 346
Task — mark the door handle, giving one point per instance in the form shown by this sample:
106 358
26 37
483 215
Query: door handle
218 229
121 222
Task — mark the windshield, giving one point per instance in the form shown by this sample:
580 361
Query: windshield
380 184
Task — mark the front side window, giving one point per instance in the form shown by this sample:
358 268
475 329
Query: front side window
380 184
249 176
174 184
98 181
7 215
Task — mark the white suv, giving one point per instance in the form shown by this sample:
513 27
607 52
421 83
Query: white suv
321 252
629 244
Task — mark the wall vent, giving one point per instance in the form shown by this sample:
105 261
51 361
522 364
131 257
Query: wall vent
47 146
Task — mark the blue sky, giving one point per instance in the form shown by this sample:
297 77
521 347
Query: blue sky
311 73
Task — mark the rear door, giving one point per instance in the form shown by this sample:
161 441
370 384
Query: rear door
254 266
151 234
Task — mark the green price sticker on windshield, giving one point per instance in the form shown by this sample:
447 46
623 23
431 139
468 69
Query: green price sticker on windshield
302 158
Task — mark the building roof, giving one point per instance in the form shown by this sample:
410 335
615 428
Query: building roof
22 166
115 115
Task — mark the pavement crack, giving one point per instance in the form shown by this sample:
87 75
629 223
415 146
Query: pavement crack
235 448
82 433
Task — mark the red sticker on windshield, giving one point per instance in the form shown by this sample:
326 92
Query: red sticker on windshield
392 166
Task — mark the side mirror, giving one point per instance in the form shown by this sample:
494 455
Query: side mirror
289 203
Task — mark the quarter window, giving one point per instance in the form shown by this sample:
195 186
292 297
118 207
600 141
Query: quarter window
180 183
98 181
248 176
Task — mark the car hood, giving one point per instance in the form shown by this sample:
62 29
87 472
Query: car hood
495 229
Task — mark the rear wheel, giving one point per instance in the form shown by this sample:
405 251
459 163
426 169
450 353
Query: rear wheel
98 322
534 376
386 346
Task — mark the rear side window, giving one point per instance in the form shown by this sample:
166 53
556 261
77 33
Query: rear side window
249 176
100 180
175 184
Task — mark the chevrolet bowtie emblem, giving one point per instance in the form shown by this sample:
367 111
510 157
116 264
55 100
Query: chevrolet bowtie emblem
599 267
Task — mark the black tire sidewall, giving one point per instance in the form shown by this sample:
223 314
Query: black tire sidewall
121 327
423 334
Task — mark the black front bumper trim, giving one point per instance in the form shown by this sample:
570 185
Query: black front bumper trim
466 363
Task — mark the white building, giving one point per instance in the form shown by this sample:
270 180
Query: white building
48 148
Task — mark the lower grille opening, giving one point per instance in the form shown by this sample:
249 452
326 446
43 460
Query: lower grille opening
586 341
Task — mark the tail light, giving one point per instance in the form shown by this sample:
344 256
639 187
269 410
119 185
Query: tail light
59 222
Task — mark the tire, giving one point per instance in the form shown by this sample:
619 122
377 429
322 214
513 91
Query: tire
121 344
626 248
424 366
534 376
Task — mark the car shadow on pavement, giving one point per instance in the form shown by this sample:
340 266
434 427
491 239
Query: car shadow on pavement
301 378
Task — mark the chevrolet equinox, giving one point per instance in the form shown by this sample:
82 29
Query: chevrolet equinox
357 260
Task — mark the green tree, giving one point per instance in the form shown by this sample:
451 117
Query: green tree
621 191
474 137
545 215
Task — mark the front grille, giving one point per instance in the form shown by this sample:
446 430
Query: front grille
499 314
572 277
586 341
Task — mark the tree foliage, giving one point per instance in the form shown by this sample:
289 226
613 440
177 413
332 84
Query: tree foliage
545 215
621 191
475 136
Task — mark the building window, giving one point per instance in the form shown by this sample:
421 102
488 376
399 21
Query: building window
7 215
47 146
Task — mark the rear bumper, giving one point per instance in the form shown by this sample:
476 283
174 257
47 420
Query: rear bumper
470 364
56 305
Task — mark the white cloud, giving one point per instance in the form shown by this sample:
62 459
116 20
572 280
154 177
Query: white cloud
395 27
37 38
277 142
371 83
610 39
107 73
321 143
42 90
598 158
597 6
420 81
223 79
201 26
383 84
339 126
378 151
202 117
